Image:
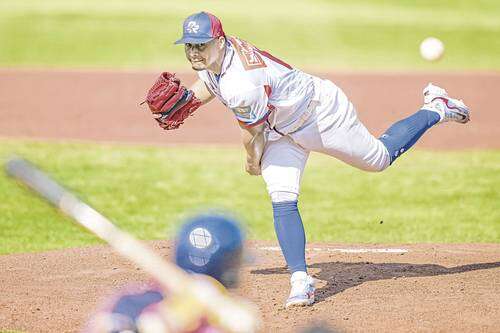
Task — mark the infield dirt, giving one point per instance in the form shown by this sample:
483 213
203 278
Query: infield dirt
104 106
431 287
440 288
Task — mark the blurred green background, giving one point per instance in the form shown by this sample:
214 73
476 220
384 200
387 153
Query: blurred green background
149 190
312 34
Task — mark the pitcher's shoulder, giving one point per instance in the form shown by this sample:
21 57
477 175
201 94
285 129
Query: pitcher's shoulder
236 82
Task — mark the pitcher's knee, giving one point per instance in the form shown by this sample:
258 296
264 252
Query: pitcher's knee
376 166
381 162
379 167
281 196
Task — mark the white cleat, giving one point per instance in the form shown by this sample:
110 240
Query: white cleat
302 292
449 109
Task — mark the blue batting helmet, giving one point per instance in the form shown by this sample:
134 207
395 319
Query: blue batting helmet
211 244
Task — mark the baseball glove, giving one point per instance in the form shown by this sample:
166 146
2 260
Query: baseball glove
170 102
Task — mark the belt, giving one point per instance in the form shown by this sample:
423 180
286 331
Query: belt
313 103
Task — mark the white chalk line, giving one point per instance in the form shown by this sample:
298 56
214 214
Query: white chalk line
341 250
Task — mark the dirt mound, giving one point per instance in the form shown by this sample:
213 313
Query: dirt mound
402 288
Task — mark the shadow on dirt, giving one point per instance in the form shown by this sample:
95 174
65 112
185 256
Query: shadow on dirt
343 275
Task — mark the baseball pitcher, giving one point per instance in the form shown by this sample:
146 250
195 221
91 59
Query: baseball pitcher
284 114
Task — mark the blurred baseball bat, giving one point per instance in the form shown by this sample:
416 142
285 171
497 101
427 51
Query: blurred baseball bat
231 314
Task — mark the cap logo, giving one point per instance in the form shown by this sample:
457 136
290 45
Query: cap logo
200 238
193 27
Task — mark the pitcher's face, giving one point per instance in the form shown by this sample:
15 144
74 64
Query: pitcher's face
206 55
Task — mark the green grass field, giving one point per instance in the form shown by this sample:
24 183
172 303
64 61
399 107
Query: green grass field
426 197
316 34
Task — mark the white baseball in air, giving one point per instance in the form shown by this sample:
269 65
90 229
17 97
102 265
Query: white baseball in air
431 49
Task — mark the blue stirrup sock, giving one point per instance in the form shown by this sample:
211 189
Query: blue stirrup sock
404 133
291 235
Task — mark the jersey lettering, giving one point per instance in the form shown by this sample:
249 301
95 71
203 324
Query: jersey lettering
273 58
248 54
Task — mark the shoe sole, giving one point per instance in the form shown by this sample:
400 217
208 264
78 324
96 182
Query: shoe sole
456 107
300 303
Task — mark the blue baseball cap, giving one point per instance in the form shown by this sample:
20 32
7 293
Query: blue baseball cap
200 28
211 244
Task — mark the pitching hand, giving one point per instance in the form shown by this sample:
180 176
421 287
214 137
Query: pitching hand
253 167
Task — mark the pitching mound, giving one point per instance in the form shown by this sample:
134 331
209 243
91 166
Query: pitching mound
452 288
